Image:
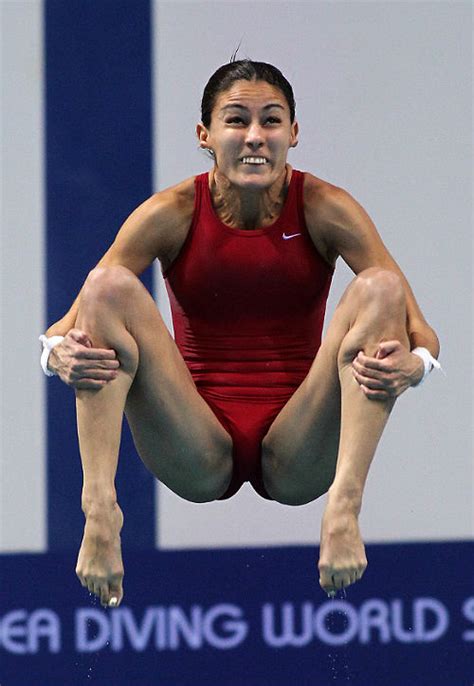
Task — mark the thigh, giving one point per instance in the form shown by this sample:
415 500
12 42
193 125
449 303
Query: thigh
175 432
299 452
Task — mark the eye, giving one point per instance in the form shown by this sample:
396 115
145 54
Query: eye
234 120
273 120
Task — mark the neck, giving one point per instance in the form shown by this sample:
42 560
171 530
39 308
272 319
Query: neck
245 208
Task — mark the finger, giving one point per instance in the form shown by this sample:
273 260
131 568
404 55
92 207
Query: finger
366 371
369 382
95 354
386 348
373 367
80 337
372 362
83 365
79 372
87 384
106 364
374 395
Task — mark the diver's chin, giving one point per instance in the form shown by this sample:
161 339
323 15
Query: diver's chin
252 176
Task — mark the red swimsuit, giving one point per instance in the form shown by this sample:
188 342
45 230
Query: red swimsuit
248 310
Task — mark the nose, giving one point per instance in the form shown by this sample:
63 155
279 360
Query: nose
254 138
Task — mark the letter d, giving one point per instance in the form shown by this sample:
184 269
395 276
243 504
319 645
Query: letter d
422 606
90 621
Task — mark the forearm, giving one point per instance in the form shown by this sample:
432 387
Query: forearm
423 336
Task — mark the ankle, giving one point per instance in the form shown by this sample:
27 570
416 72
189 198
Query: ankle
93 501
345 500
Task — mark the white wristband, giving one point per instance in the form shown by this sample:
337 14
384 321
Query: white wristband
48 345
428 361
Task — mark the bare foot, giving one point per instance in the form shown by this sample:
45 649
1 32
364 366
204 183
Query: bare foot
99 563
342 559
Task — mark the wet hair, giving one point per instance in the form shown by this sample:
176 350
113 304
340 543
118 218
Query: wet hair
243 70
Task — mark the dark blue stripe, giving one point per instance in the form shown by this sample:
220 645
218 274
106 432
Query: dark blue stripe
99 168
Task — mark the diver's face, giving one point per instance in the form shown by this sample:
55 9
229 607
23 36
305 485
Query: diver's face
250 133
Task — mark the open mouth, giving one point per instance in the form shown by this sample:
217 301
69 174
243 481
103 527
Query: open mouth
254 160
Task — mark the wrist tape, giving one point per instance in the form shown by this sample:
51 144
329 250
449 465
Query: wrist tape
48 345
428 361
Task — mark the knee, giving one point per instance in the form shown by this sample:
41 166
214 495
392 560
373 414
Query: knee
376 286
112 286
377 311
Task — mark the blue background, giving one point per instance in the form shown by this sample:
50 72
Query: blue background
249 579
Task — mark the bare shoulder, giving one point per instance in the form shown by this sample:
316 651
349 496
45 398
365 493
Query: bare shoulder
325 202
332 215
171 211
175 200
156 229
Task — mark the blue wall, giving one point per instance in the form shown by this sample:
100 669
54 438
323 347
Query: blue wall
243 618
98 168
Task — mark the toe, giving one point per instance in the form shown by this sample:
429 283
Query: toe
115 591
325 580
104 595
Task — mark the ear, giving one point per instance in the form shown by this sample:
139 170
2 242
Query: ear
294 134
203 135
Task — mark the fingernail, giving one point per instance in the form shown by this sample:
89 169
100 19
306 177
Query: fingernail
113 602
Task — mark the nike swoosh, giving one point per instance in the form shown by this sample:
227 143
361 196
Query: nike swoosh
292 235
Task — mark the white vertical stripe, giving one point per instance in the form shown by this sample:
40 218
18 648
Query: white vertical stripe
22 447
406 158
181 524
160 294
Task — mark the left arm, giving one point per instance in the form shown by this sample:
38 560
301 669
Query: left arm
341 227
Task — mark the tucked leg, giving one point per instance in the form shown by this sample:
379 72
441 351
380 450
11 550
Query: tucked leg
175 432
327 434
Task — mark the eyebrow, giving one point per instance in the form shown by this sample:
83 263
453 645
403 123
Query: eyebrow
242 107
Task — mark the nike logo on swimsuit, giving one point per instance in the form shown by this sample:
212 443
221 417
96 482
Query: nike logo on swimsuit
292 235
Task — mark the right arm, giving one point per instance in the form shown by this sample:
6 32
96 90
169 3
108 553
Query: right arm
156 229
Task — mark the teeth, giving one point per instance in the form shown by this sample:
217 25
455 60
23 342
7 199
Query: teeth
254 160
